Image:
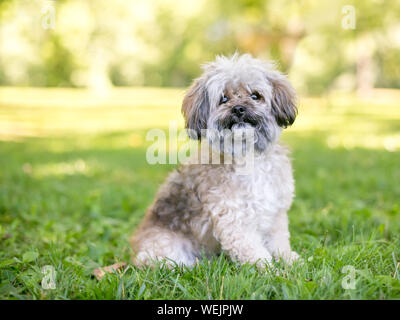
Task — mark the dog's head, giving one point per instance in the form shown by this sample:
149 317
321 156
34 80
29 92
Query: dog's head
240 92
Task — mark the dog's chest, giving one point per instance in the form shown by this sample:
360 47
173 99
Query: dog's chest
264 188
254 198
265 191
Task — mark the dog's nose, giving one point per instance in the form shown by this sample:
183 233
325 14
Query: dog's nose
239 110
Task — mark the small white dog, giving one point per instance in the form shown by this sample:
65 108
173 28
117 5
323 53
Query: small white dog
204 208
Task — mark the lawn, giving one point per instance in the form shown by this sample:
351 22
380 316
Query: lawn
74 183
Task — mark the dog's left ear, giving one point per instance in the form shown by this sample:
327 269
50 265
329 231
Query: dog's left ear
283 100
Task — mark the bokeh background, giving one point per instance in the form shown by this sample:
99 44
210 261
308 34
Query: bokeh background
82 81
98 44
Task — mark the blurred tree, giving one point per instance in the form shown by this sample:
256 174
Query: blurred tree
98 43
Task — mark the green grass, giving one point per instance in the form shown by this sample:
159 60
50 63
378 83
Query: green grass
74 183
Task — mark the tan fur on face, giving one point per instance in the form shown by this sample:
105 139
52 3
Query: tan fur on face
239 95
202 209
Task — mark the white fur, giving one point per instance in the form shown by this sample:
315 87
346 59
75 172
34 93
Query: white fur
206 208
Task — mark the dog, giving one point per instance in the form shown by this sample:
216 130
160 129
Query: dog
203 209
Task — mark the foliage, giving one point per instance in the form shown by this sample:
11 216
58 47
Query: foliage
96 43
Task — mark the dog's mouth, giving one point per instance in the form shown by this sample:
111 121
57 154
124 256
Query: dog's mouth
234 122
242 123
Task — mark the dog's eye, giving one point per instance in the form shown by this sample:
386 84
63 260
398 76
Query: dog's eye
255 96
224 99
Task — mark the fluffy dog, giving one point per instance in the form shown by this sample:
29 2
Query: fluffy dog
202 209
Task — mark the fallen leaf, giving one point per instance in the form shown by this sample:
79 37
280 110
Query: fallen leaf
100 272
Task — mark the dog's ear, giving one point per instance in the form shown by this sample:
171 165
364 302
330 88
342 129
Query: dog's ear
196 108
283 100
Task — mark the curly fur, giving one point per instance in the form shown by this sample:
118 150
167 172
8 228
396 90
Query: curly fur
202 209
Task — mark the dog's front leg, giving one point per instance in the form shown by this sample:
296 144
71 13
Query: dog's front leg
240 241
278 240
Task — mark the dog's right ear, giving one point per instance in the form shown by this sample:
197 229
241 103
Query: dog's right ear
196 108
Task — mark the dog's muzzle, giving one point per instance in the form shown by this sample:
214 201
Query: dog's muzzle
240 116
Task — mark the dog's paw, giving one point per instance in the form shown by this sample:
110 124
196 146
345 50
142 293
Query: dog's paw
289 257
294 257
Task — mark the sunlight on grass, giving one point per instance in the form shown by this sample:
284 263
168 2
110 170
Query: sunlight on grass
38 112
348 121
76 167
